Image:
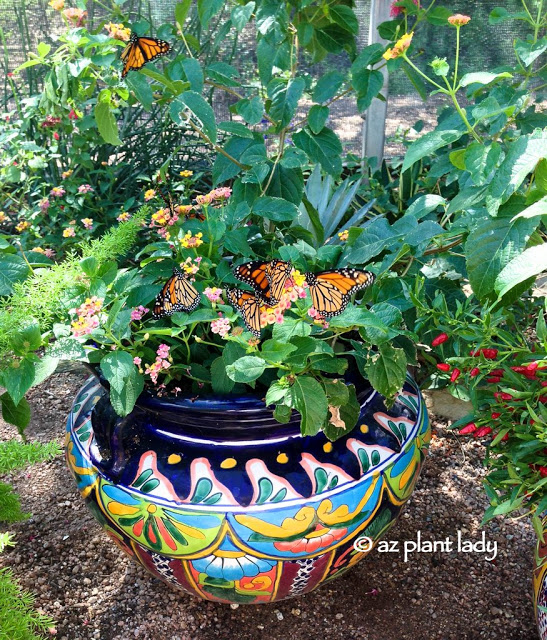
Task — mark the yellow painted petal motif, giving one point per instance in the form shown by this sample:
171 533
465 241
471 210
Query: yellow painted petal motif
118 509
301 522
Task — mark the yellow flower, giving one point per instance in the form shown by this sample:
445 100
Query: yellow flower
58 5
22 226
343 235
192 242
38 250
123 217
148 195
298 278
3 217
67 174
69 232
458 20
401 46
186 173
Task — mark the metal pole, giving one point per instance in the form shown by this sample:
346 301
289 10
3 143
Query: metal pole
374 126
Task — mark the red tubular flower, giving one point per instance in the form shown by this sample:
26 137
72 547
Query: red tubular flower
489 354
474 372
502 396
443 366
497 372
543 383
469 428
543 472
455 375
483 431
493 379
532 366
519 369
495 415
442 337
505 437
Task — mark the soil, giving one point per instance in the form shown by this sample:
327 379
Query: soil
94 592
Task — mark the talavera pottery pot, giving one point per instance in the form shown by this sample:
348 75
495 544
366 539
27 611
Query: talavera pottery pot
217 498
540 583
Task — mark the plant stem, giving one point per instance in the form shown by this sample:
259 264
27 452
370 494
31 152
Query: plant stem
216 147
455 84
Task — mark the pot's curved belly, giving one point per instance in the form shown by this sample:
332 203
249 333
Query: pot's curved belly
251 522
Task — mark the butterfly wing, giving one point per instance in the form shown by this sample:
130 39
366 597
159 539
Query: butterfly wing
277 273
331 290
248 306
140 51
177 294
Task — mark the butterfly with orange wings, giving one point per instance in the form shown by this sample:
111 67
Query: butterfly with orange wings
248 304
177 294
141 50
331 290
266 278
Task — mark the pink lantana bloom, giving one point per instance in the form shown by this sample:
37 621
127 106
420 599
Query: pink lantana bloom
221 326
214 294
395 11
85 188
57 192
137 361
138 312
44 205
163 351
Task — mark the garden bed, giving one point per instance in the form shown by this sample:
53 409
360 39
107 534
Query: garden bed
94 592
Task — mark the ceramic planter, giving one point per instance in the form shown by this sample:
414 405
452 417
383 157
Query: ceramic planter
540 584
217 498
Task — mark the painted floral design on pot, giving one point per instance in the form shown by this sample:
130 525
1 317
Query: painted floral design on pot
540 583
217 498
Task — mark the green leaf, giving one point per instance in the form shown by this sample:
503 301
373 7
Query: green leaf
282 413
235 128
368 84
386 370
276 392
369 55
276 352
66 349
207 9
317 117
126 384
276 209
327 86
307 396
106 123
369 244
521 159
332 38
181 11
12 269
529 51
246 369
481 160
286 183
140 87
19 379
223 73
490 247
482 77
202 112
27 339
223 168
284 98
438 16
350 411
220 381
17 414
194 74
541 175
324 148
290 328
528 264
539 208
250 110
241 15
424 205
344 17
429 143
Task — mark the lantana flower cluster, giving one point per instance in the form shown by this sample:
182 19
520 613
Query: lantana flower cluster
215 196
161 363
88 316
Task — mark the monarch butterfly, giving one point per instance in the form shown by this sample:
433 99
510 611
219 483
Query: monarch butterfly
167 197
248 305
177 294
266 278
331 290
139 51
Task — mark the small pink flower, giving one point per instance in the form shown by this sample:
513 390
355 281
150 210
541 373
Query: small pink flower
137 361
85 188
88 223
57 192
56 135
458 20
214 294
84 325
163 351
138 312
220 326
44 204
123 217
49 253
72 114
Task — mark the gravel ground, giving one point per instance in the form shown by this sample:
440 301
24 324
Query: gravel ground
94 592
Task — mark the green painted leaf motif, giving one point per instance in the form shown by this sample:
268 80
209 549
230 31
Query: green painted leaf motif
174 532
279 496
265 488
364 460
213 499
321 479
149 486
143 477
202 490
375 458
